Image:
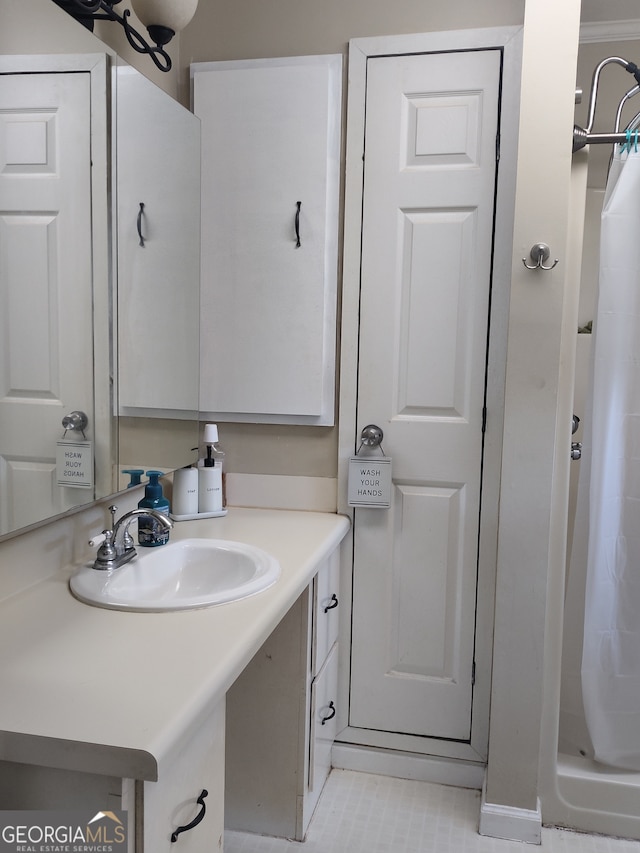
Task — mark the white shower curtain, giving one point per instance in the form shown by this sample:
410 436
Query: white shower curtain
610 482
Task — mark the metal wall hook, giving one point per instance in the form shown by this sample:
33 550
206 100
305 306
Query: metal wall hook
539 253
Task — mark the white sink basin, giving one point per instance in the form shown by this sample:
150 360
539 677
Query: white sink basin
179 576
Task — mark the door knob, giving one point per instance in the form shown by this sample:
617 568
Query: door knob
76 421
371 435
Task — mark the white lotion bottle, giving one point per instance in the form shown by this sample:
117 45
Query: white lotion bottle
210 475
185 492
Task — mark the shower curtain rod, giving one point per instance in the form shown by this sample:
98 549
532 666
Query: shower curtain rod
584 135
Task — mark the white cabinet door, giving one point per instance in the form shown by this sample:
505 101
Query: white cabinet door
270 168
323 726
158 165
172 802
326 609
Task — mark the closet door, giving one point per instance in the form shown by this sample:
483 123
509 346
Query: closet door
270 167
428 212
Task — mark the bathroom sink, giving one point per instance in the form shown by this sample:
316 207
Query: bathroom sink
179 576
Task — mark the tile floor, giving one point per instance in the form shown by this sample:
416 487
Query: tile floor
363 813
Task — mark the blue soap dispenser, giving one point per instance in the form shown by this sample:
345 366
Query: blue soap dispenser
150 531
135 476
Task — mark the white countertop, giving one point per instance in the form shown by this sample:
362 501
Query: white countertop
113 692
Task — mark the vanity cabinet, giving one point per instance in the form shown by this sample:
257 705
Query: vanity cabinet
269 248
281 717
154 809
195 691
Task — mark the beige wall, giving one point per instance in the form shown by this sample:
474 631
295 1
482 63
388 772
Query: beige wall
252 28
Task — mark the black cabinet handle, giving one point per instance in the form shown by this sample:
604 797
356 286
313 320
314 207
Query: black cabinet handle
334 603
298 206
197 819
140 215
330 716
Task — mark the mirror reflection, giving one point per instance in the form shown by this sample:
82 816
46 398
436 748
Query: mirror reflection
158 180
99 360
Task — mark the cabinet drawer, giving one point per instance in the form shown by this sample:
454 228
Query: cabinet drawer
323 724
326 609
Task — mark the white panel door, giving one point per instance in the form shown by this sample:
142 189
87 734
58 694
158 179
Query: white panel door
45 286
429 181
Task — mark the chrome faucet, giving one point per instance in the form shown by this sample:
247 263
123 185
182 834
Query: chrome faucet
117 550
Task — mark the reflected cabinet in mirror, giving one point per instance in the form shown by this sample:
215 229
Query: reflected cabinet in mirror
99 274
158 184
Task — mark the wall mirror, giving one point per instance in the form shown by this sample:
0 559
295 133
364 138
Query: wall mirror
99 275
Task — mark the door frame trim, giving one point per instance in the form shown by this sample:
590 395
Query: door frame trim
509 41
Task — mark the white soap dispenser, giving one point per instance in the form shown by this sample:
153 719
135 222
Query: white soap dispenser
184 501
210 474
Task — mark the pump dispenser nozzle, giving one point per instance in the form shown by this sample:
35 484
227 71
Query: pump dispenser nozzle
210 485
135 475
211 434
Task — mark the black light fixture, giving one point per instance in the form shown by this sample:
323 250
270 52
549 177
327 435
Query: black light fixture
162 18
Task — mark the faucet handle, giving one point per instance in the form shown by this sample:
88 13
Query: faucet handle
106 552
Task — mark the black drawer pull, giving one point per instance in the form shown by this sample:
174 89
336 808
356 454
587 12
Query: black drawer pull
334 603
140 215
298 206
330 716
197 818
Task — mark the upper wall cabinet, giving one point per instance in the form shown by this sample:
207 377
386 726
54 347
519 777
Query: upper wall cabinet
158 191
270 188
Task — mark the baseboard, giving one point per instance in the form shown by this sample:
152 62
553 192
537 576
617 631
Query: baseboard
403 765
509 822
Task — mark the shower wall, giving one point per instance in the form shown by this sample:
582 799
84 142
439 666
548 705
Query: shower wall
573 736
614 82
576 791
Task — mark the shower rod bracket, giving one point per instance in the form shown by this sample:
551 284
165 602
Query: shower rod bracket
539 254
